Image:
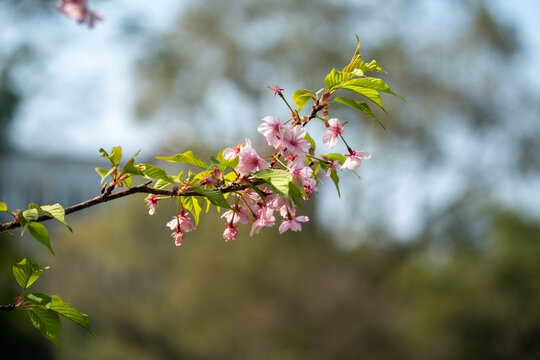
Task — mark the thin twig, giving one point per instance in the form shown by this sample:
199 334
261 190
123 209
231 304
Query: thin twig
143 188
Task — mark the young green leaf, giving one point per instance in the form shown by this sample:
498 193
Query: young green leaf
311 141
278 178
153 172
3 207
335 179
335 78
70 312
116 155
40 233
301 97
30 214
48 322
194 204
360 106
42 300
372 83
296 195
214 196
129 168
104 172
371 94
55 211
185 158
26 272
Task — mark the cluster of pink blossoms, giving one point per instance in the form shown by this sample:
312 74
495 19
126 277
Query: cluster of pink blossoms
78 10
259 207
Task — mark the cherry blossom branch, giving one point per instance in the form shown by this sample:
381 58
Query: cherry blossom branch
143 188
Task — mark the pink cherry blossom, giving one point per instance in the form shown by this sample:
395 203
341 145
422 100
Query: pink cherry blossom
330 136
236 215
272 129
276 89
233 151
292 223
178 237
77 9
182 222
354 159
230 233
293 140
250 161
152 203
263 218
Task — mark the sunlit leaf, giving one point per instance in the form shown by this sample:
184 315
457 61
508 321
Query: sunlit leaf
48 322
153 172
335 179
335 78
311 141
104 172
360 106
301 97
70 312
26 272
278 178
55 211
40 233
194 204
42 300
214 196
372 83
185 158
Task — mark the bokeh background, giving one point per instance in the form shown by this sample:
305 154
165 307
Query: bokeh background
432 254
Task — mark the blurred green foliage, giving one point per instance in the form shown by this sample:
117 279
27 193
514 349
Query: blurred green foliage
298 296
466 287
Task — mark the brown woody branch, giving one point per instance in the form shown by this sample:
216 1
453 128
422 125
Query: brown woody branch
143 188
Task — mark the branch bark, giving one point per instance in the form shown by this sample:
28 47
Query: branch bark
143 188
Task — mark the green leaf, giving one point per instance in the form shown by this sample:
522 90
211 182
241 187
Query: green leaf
278 178
311 141
357 66
371 94
55 211
296 195
301 97
42 300
336 157
151 171
129 168
335 179
26 272
372 83
104 172
30 214
161 184
3 207
48 322
194 204
335 78
70 312
116 155
215 197
185 158
360 106
373 66
40 233
127 181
